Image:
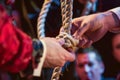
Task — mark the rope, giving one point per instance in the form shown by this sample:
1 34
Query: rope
68 17
70 42
42 18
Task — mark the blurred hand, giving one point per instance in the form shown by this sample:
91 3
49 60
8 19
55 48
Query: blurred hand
56 55
91 28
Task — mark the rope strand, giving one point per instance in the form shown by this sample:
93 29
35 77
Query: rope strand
66 6
42 18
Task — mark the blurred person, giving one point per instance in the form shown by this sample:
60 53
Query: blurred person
21 54
116 46
84 7
90 6
89 65
11 9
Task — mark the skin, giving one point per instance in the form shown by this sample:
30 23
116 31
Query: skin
91 28
116 46
56 55
88 68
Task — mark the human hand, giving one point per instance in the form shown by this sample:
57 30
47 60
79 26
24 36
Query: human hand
91 28
56 55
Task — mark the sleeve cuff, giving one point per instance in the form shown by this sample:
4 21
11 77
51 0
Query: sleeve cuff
116 11
37 71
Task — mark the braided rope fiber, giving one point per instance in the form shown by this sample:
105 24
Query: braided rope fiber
41 26
67 16
42 18
66 6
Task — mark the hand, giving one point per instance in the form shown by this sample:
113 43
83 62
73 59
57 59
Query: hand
56 55
91 28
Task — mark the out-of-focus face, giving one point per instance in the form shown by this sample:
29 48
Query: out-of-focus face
88 68
116 46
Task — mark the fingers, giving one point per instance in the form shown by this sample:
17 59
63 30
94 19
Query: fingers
76 23
80 32
82 42
69 56
61 41
85 42
88 44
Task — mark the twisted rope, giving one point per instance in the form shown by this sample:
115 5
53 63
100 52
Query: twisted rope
66 6
70 42
63 11
67 16
41 25
42 18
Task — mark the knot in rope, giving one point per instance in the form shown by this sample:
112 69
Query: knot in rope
70 42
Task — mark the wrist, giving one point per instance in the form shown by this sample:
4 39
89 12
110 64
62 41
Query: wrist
37 50
111 20
38 69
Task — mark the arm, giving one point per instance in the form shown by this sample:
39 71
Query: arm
91 28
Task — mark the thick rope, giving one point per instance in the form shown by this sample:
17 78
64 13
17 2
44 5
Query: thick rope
63 11
70 42
68 16
42 18
41 24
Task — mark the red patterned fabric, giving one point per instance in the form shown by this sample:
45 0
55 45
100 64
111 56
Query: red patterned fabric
15 46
